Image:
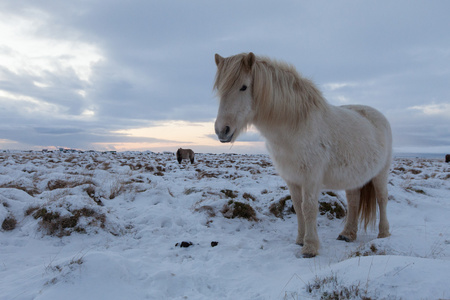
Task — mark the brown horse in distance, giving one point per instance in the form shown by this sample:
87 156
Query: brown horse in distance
185 154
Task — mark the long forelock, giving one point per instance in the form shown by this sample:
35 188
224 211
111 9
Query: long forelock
281 94
228 72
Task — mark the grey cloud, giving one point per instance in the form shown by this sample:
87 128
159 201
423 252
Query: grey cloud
58 130
72 138
158 61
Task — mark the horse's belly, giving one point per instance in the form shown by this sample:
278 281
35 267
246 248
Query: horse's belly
345 175
342 180
337 176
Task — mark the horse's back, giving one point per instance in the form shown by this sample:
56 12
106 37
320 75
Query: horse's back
361 145
380 126
189 153
371 114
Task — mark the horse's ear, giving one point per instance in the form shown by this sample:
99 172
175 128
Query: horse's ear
218 59
249 60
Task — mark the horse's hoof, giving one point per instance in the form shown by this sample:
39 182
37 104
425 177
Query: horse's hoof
309 250
343 238
299 240
383 235
308 255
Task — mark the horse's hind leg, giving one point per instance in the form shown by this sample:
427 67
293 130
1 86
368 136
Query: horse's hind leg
380 184
351 225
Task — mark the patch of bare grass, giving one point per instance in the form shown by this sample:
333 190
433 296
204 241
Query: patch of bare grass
364 251
415 190
90 190
55 184
188 191
229 193
9 223
116 188
32 191
331 206
248 196
52 223
209 210
30 210
208 174
415 171
330 288
279 208
237 209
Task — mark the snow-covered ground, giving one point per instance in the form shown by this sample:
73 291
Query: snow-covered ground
116 226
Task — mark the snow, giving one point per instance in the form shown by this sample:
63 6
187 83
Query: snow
126 215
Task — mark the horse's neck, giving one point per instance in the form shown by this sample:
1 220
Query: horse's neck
285 132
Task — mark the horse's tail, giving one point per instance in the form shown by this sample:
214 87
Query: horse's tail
368 205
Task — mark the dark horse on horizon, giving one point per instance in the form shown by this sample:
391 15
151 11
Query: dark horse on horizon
185 154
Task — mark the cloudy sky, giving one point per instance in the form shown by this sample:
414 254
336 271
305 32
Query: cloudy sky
138 75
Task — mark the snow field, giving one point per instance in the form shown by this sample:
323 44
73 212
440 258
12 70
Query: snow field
105 226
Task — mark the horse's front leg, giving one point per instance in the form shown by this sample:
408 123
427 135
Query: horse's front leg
296 196
310 208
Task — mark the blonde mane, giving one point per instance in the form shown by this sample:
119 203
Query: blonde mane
280 94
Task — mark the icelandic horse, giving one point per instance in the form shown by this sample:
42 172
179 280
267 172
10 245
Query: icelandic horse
313 144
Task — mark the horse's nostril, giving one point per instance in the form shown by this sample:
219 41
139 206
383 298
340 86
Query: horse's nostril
227 130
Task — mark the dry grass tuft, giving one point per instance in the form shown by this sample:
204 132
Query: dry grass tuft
188 191
229 193
30 210
206 174
331 206
373 250
330 288
209 210
90 190
32 191
248 196
56 225
237 209
55 184
9 223
117 187
278 209
416 190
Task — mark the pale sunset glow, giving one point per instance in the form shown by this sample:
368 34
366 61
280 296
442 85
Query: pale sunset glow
171 135
176 131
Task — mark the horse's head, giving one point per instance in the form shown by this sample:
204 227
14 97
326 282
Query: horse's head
234 87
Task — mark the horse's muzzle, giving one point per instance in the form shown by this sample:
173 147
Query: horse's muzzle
225 135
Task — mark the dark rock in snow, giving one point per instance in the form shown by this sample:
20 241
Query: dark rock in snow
184 244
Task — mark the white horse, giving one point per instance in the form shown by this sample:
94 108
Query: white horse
313 144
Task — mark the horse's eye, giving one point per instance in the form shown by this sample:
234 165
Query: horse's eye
243 88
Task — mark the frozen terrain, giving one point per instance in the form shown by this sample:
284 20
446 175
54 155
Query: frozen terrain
138 225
